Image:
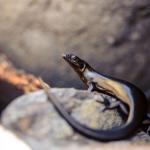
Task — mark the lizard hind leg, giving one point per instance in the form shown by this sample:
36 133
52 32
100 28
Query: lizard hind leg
146 124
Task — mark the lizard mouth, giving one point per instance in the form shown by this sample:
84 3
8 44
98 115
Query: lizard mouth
64 56
67 56
74 61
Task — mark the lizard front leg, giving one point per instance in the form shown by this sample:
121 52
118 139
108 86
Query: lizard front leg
108 104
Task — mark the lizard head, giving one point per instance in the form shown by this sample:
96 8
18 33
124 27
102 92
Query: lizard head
79 65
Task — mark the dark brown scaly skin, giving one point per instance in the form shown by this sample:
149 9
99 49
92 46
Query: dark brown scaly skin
120 89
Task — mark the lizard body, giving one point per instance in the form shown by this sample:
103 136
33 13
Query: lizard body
123 91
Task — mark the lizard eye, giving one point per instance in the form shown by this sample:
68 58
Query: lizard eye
73 57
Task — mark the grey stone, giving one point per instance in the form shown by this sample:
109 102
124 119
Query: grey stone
35 120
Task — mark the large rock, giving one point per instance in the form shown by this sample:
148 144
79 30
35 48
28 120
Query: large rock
113 35
35 120
14 142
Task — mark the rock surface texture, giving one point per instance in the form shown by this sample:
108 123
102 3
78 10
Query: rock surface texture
35 121
112 35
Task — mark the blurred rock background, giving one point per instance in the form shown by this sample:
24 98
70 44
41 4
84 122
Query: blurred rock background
112 35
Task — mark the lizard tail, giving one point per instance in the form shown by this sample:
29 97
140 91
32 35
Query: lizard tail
135 118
